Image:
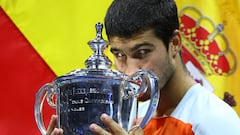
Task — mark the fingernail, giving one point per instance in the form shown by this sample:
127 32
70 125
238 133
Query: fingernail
52 118
104 117
93 127
61 131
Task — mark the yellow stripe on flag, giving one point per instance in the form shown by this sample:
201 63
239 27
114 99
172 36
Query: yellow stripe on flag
59 30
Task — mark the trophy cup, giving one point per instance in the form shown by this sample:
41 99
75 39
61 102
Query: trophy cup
84 94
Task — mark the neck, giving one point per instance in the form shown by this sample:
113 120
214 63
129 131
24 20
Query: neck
173 92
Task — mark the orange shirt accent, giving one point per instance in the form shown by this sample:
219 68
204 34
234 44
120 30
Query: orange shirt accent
167 126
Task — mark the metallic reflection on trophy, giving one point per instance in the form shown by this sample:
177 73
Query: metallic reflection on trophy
84 94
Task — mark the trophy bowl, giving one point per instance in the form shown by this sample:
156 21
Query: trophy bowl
84 94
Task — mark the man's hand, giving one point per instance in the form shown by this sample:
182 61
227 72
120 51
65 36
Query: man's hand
114 128
52 128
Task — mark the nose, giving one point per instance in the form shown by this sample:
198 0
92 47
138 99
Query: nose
132 66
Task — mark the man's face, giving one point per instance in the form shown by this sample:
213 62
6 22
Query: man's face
143 51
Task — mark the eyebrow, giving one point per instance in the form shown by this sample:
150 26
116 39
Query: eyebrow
137 46
114 49
144 44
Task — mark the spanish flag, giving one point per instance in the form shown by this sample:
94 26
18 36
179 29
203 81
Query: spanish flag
40 40
210 31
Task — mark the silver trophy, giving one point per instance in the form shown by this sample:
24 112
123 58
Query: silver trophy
84 94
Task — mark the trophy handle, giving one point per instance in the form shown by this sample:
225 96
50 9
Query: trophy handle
154 96
45 90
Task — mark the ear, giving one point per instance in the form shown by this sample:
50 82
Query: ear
175 43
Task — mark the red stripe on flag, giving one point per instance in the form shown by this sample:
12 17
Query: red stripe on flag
22 72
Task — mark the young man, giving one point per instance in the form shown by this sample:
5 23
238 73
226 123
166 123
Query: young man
144 35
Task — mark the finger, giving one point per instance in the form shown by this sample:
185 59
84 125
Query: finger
52 124
137 121
136 131
57 131
97 130
112 125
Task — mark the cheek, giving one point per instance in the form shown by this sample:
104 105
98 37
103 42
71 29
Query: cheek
152 65
159 67
119 66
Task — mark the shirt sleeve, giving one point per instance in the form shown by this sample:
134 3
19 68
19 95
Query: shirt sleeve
218 125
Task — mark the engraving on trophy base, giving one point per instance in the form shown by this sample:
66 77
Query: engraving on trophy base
82 104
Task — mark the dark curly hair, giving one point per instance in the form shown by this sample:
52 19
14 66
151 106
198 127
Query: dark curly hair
126 18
